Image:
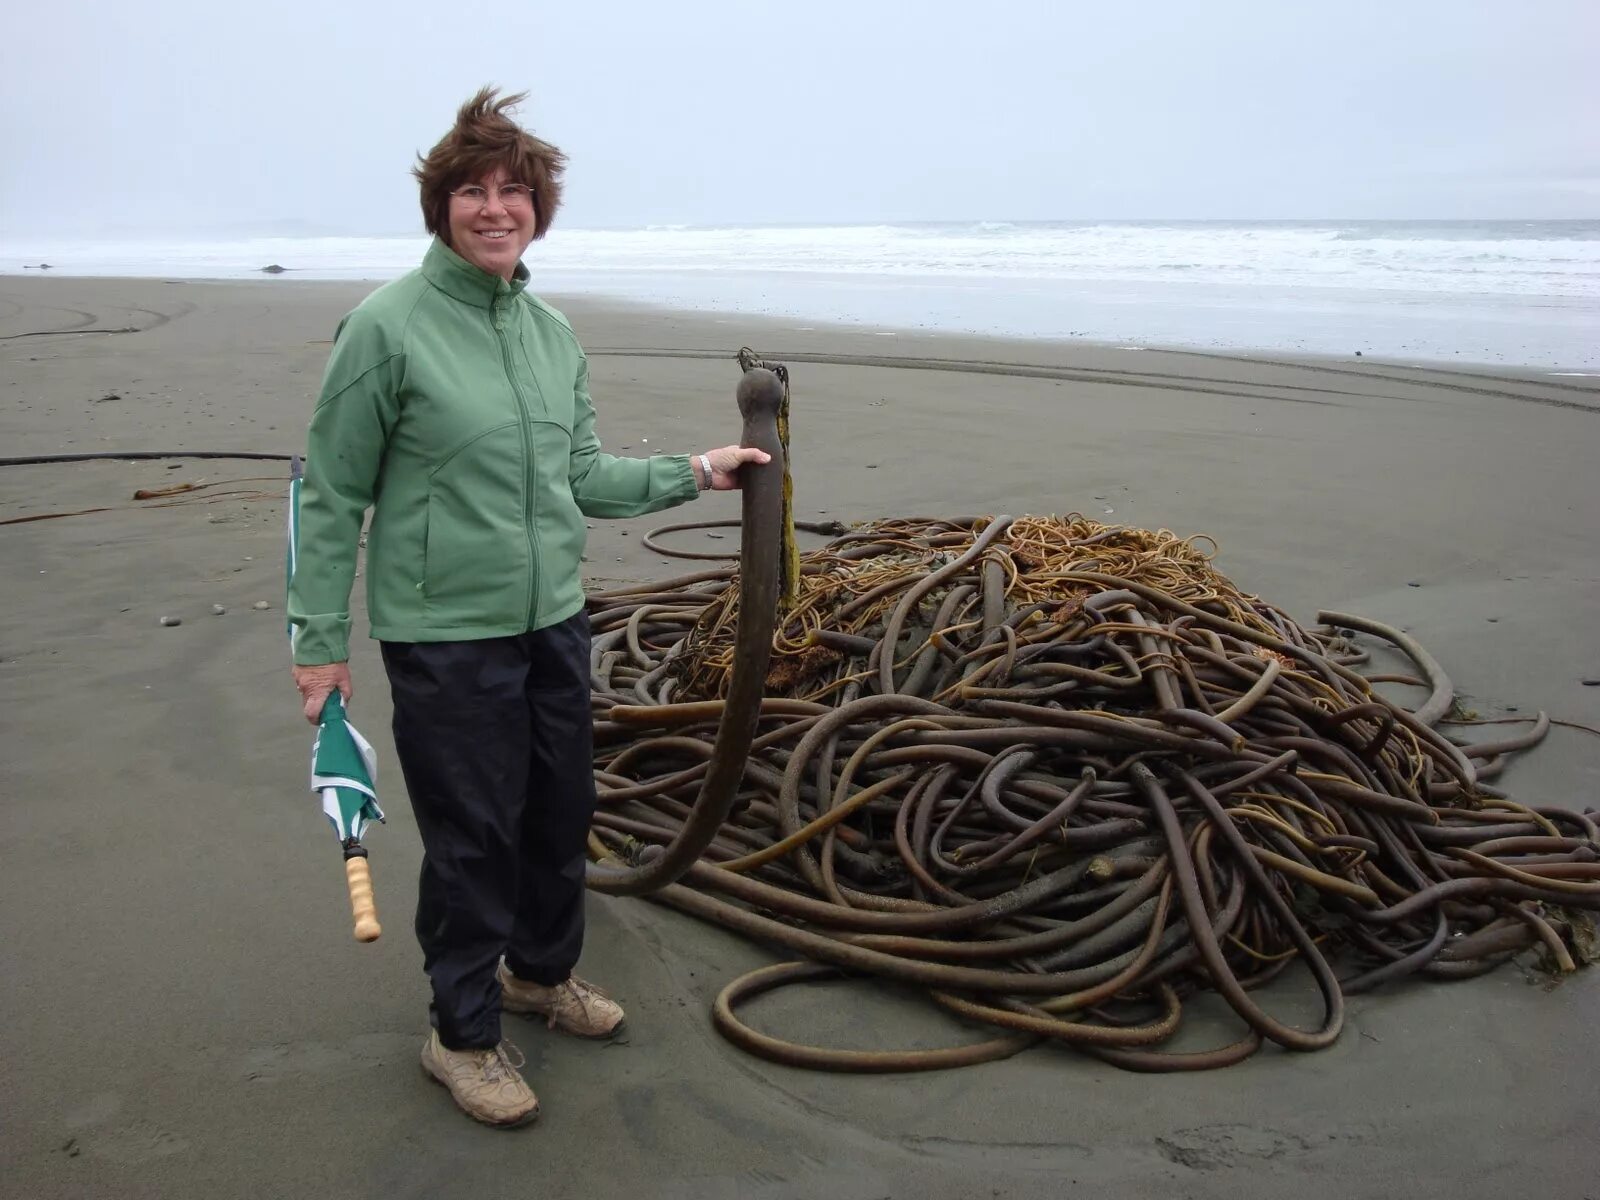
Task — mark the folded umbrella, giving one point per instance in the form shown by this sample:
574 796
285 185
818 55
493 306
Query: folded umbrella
344 769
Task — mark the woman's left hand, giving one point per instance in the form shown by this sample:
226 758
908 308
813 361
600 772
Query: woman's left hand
725 463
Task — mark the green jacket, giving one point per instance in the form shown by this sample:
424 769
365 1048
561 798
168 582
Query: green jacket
456 406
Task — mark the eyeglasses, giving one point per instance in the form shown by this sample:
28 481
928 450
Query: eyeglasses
510 195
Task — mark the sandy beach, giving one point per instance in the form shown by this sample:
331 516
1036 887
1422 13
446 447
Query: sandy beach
183 1013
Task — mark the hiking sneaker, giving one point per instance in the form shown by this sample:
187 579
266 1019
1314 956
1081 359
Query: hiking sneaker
572 1006
484 1083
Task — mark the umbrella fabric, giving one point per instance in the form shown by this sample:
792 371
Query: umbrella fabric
344 772
293 556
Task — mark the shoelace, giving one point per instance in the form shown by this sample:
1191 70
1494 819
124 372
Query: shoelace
580 992
497 1064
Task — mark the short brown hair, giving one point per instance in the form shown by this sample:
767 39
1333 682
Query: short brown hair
484 138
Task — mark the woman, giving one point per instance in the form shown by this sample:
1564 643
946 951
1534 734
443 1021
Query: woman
456 406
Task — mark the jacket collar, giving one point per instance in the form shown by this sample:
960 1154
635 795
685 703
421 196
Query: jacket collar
456 277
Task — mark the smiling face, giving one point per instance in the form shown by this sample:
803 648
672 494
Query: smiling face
489 233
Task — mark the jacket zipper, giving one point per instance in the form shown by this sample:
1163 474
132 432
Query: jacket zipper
530 472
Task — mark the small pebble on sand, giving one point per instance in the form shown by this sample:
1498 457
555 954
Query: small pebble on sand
261 604
217 610
172 620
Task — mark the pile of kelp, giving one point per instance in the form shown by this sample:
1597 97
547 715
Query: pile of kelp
1064 776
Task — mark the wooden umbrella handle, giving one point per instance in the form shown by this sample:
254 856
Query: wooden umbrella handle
362 908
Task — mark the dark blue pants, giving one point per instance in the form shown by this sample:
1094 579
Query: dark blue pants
495 742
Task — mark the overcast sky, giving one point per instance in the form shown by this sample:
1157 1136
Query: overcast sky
161 115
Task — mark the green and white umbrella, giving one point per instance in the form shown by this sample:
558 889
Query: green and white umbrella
344 769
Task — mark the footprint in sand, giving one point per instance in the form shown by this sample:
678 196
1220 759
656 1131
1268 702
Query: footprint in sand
291 1060
1208 1147
100 1128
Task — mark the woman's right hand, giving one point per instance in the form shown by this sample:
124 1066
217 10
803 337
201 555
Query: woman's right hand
316 684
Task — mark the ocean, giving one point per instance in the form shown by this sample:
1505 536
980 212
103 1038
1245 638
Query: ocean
1514 293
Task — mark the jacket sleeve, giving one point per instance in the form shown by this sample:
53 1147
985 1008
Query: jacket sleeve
355 414
607 486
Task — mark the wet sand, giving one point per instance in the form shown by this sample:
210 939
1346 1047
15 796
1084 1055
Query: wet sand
184 1015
